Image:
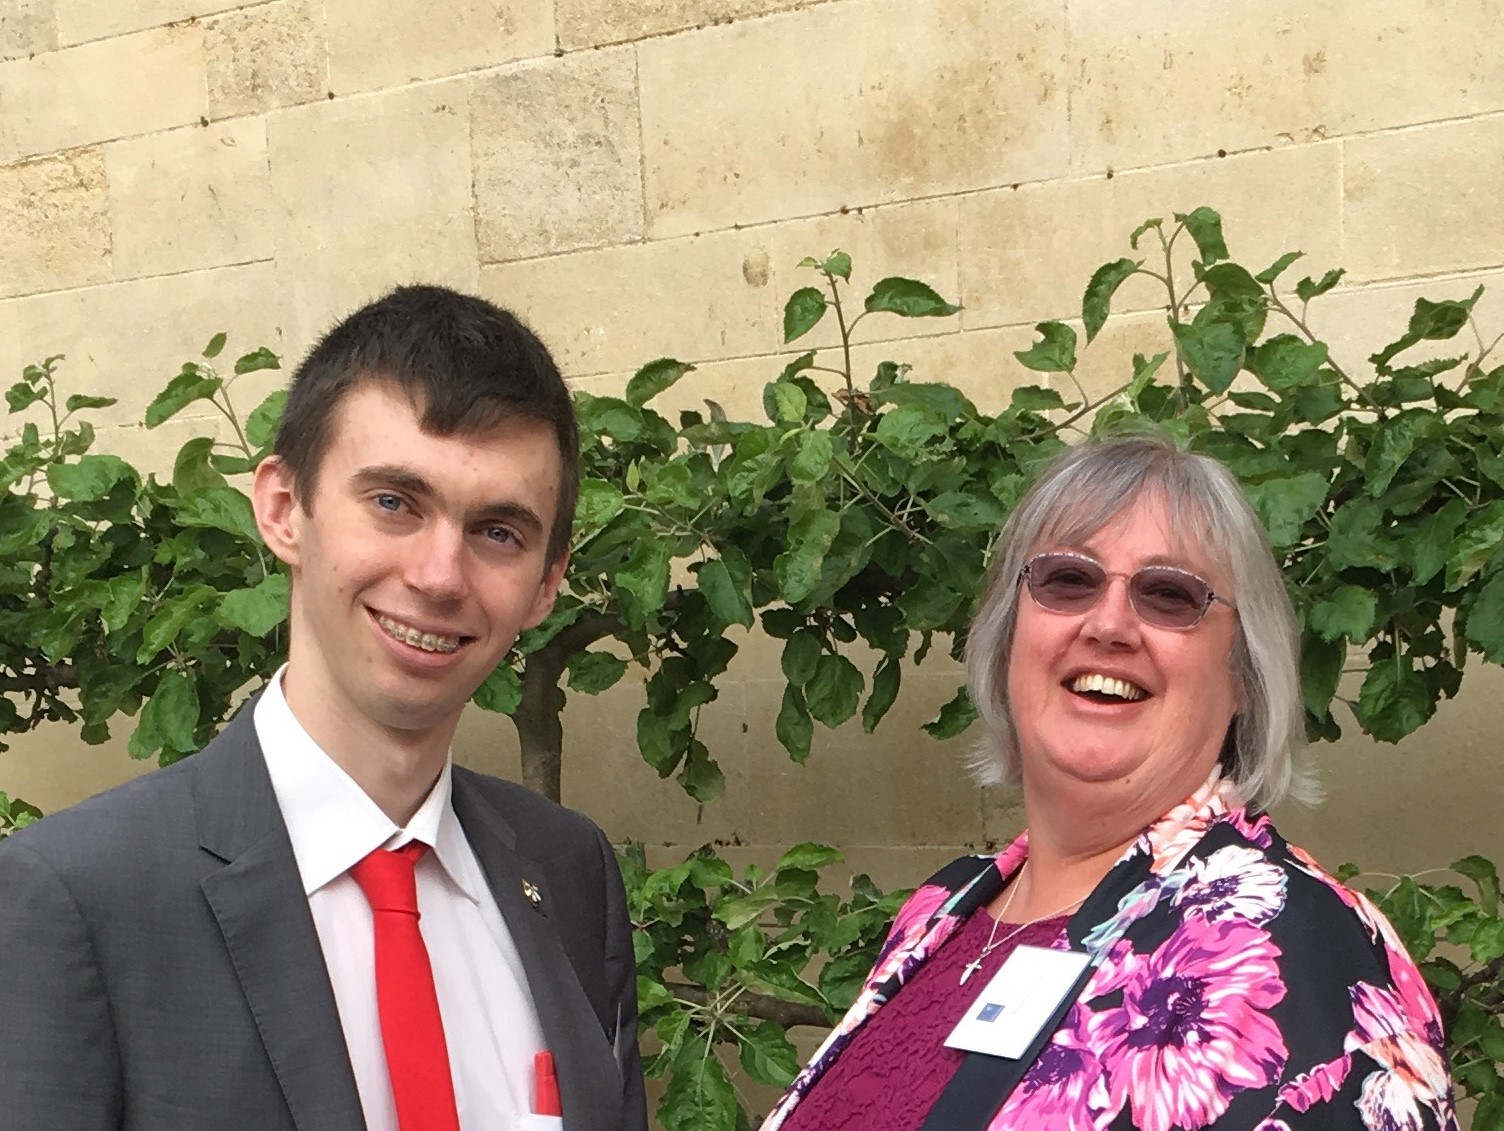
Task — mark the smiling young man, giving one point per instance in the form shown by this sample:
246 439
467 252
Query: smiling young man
319 922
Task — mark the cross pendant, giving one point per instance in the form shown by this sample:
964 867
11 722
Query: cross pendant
971 968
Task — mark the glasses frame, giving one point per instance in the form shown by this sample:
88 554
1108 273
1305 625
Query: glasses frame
1026 577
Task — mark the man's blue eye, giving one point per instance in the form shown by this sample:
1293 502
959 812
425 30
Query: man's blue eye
500 534
388 502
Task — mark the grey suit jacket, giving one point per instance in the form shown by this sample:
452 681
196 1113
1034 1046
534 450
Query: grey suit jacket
160 970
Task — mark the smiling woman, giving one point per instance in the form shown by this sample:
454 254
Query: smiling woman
1153 954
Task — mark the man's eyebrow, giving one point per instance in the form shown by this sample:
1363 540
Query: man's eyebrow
412 482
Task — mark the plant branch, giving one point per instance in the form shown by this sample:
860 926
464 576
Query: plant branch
756 1005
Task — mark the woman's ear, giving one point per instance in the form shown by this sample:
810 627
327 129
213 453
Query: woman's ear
279 515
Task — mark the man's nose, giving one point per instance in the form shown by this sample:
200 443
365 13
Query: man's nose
436 565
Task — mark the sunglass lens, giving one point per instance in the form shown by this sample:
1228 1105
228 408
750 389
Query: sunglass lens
1065 584
1168 597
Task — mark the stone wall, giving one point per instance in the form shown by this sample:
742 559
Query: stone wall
640 179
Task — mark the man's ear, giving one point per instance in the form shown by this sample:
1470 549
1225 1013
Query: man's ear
548 591
279 515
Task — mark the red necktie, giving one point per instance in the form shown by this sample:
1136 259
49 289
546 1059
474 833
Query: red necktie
412 1031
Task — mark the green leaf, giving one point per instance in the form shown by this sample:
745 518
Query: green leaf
169 718
1144 369
699 1097
838 263
171 616
908 298
959 510
700 776
910 431
121 597
257 359
801 654
1396 441
1034 398
794 727
1096 303
766 1054
653 378
1205 227
80 401
885 684
257 610
1307 289
1483 873
812 463
728 600
191 471
261 425
188 386
1320 668
1213 351
1286 505
1485 620
1229 280
599 503
784 402
805 308
216 344
1432 543
90 479
835 690
1269 274
644 577
22 395
1055 352
1394 700
501 691
1284 362
1478 540
1348 612
808 856
593 672
220 508
797 569
1155 224
954 717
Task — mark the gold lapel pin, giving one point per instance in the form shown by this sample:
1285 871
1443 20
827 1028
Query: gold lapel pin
534 896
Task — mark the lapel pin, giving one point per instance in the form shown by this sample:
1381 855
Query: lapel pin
534 896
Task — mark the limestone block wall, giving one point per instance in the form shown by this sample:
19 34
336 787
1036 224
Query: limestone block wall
641 177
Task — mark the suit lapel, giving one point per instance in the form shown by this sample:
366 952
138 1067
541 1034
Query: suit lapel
257 899
589 1079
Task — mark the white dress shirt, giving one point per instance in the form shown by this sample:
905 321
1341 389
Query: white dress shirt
490 1023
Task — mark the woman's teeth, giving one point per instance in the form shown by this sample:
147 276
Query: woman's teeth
1107 685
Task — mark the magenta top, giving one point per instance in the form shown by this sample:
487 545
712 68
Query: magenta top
896 1066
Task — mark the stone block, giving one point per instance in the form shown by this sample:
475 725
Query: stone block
1427 200
27 27
114 88
127 340
614 309
1028 253
918 100
591 23
53 768
373 46
79 21
557 156
265 57
370 193
190 198
1186 82
54 223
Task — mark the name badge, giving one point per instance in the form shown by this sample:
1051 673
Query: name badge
1019 1001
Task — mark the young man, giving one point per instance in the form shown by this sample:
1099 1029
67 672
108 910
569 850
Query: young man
234 942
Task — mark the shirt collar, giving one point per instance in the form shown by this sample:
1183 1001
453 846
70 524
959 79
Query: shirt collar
331 821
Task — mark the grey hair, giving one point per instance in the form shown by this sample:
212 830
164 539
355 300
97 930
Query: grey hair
1078 494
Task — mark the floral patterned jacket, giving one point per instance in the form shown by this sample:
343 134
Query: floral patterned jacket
1237 986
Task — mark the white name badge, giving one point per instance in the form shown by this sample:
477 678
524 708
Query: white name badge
1019 1001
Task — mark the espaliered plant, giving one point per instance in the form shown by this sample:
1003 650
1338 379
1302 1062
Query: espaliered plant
862 509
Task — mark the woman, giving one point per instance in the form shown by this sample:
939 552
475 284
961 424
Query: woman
1149 953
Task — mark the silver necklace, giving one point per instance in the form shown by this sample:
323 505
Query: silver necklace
993 942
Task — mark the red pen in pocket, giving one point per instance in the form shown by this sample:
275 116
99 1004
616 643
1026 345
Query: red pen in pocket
545 1085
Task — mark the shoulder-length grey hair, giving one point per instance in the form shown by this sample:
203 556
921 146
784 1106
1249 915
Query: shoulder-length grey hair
1078 494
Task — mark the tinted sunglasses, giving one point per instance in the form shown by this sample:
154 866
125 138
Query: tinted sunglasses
1161 595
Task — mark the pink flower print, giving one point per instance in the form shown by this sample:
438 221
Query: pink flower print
1318 1085
1233 883
1412 1070
1191 1031
1168 839
1256 830
1065 1089
1272 1125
